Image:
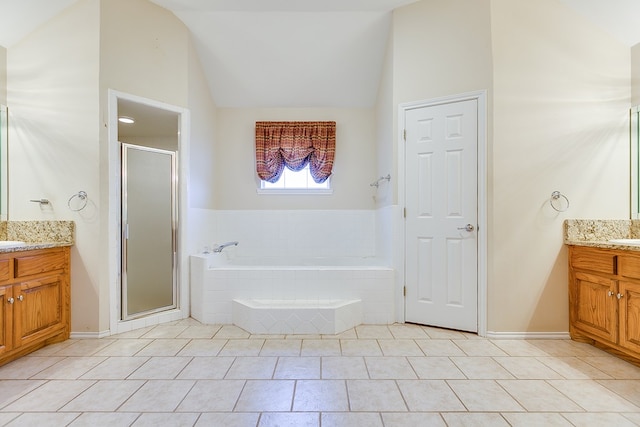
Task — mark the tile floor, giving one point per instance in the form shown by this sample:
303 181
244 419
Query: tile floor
189 374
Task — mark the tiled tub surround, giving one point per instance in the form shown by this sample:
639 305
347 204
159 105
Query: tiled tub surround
38 234
296 295
598 233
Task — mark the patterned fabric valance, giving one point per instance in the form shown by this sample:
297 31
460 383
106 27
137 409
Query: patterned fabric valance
294 144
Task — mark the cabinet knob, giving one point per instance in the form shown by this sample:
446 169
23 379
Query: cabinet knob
610 294
20 297
619 295
10 300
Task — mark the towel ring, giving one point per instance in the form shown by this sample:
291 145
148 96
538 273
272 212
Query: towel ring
555 196
82 196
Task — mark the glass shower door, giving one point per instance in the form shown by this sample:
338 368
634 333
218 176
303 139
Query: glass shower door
148 231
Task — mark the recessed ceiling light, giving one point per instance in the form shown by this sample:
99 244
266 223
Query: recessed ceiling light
125 119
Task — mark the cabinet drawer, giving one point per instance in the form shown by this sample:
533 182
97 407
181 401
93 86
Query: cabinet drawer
36 264
5 271
593 260
629 266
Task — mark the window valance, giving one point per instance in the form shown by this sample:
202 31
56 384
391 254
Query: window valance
294 144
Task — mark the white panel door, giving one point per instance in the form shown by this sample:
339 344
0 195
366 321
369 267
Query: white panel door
441 196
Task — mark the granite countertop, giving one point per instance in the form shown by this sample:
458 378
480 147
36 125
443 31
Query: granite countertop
598 233
34 246
37 234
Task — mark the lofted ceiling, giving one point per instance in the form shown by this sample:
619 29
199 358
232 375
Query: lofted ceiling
295 53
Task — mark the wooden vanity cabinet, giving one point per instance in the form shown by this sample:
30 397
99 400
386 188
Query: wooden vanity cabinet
604 298
35 305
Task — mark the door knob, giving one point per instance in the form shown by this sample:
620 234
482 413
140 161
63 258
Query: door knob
468 227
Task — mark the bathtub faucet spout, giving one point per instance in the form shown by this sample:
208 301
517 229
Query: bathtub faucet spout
218 249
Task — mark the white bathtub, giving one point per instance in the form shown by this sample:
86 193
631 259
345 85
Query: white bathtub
279 296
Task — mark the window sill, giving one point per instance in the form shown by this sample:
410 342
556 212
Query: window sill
300 191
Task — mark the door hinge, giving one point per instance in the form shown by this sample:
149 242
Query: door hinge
404 291
404 134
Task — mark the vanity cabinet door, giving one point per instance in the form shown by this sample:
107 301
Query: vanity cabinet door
594 306
6 319
38 308
629 305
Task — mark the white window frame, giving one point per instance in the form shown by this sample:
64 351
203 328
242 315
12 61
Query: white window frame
264 189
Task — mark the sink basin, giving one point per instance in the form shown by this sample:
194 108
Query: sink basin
632 242
11 243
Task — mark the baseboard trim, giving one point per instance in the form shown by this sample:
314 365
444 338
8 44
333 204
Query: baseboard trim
528 335
89 335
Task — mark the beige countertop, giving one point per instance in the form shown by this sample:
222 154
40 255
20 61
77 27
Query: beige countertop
34 246
598 233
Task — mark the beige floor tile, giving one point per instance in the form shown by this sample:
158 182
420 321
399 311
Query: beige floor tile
161 368
480 368
519 348
321 395
26 367
115 368
11 390
435 368
206 368
163 331
340 368
266 396
539 396
136 333
474 419
351 419
212 396
103 396
231 331
200 332
224 419
163 347
436 333
93 419
50 396
559 347
407 331
524 419
158 396
573 368
479 348
349 334
280 336
400 347
375 395
6 418
200 347
165 419
279 419
527 368
44 419
373 332
242 348
634 417
593 397
70 368
408 419
297 368
244 368
484 395
128 347
389 368
281 347
360 347
439 348
616 368
599 419
87 347
52 349
319 347
628 389
429 396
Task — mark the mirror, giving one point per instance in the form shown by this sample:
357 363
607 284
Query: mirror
635 163
4 150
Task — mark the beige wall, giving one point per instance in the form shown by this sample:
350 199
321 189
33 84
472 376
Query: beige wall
385 118
3 75
354 166
561 108
53 101
635 75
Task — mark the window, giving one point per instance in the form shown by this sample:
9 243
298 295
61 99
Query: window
300 180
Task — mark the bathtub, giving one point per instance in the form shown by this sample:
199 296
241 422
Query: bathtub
268 295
